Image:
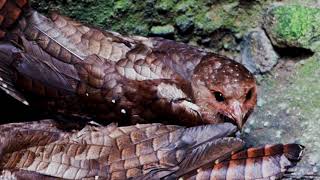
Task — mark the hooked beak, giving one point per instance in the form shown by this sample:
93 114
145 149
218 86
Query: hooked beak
237 114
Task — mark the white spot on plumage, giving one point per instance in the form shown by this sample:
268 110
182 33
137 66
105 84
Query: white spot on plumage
217 65
94 123
25 103
113 101
1 79
87 94
4 85
123 111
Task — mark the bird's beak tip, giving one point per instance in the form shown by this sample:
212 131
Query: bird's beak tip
237 114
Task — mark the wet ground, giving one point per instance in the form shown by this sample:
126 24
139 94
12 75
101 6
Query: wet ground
288 110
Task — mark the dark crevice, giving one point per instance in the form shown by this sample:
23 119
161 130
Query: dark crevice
248 3
217 38
290 52
294 52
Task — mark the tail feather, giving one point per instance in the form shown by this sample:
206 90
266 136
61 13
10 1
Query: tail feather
293 151
268 162
10 12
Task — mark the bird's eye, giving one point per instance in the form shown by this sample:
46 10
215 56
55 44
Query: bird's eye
249 94
219 97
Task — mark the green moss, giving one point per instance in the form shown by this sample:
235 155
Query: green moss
162 30
300 90
184 22
132 24
122 5
165 5
133 17
295 25
184 6
231 15
208 16
248 18
204 23
123 16
304 97
306 90
295 21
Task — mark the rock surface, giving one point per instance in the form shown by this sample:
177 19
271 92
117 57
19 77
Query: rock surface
257 53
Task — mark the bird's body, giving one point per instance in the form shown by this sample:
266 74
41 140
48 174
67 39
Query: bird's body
64 66
150 151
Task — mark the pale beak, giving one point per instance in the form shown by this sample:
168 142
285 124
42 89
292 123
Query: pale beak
237 113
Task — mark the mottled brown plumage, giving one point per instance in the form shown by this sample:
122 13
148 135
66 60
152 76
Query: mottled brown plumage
64 66
150 151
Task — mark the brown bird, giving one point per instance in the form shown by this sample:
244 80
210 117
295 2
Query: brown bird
64 66
40 150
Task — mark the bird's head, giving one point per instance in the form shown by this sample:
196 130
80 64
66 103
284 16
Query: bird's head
224 90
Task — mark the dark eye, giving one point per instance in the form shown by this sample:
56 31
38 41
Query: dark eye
249 94
219 97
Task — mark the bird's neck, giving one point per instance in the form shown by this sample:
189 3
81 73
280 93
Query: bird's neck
181 58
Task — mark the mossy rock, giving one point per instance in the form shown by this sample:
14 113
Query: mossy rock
193 20
184 23
294 26
163 30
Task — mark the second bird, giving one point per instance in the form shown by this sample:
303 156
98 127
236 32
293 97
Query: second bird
64 66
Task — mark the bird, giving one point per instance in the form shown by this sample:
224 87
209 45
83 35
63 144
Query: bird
142 151
63 66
